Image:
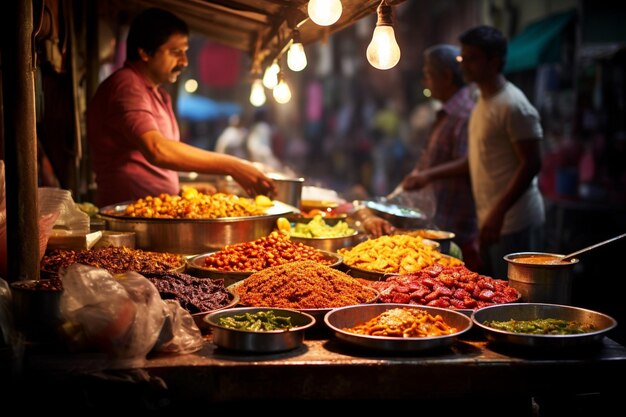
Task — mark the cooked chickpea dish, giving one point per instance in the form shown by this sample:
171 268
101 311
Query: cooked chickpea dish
272 250
192 204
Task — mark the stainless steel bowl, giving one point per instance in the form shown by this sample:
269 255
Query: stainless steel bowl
540 283
331 244
195 267
259 342
532 311
192 236
345 317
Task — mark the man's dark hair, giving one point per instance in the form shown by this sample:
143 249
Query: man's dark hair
151 29
444 57
489 39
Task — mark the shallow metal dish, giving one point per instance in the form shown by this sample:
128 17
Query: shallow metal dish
195 267
345 317
191 236
400 216
259 342
331 244
531 311
318 313
198 318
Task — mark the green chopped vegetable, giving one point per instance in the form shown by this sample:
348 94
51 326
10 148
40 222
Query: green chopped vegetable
547 326
257 322
317 227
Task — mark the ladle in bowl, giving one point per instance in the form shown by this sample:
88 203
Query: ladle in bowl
572 255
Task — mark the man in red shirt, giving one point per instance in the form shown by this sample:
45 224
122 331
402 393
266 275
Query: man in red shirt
131 127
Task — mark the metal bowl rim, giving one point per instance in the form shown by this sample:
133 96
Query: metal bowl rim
238 310
112 208
510 258
234 300
190 263
543 336
390 306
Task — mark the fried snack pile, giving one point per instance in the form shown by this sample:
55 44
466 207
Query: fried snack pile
302 284
193 204
271 250
404 322
398 254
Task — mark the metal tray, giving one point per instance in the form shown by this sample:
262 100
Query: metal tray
531 311
193 236
340 318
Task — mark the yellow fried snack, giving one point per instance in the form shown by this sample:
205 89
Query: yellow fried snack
397 254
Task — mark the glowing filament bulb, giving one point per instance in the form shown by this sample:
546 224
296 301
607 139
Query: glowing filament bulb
324 12
257 93
383 51
282 93
270 76
296 58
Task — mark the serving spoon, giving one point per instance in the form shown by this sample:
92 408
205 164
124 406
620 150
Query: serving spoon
572 255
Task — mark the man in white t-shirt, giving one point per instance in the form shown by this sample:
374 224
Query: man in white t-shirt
504 154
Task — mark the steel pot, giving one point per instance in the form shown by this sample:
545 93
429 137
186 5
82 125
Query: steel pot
540 282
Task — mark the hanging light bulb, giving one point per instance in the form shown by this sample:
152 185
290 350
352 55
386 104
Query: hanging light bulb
383 51
282 93
324 12
257 93
296 58
269 76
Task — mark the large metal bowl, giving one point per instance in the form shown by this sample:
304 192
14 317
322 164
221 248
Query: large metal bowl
259 342
192 236
195 267
345 317
532 311
331 244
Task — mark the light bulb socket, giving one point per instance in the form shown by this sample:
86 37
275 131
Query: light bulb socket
295 35
384 14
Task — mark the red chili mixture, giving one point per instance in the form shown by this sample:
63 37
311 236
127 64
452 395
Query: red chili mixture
302 284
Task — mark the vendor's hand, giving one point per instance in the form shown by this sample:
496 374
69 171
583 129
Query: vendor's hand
415 180
252 180
377 226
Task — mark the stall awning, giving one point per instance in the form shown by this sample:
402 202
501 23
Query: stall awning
539 43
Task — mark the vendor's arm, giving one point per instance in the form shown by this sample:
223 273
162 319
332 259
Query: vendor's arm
529 155
417 179
180 156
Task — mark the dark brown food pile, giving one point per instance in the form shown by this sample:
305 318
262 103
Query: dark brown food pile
195 295
53 285
116 260
453 287
302 284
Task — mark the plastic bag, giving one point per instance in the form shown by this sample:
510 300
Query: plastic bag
122 317
422 199
56 200
179 334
